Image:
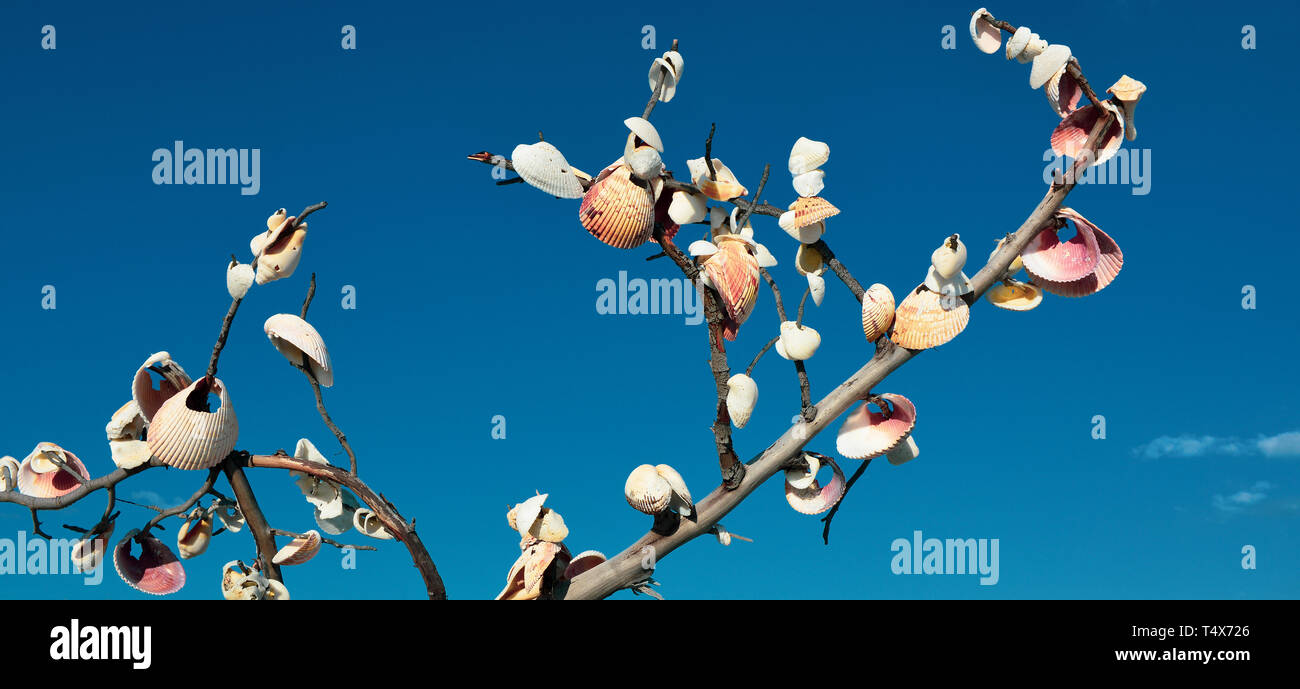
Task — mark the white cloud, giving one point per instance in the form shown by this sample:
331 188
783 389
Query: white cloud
1280 445
1243 498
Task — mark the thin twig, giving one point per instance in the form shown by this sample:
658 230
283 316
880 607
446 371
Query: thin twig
749 371
826 521
311 292
708 152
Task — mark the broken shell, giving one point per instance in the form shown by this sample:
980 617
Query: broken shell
808 260
8 474
926 319
1128 91
701 247
877 311
808 155
1063 92
524 516
987 38
1014 295
1016 44
733 273
866 434
645 132
127 423
1047 63
239 277
662 71
299 550
816 288
583 562
549 527
185 435
1047 257
39 477
798 342
804 235
742 395
146 397
238 584
816 499
229 514
618 210
88 553
645 163
681 497
809 183
647 491
155 571
542 166
279 250
294 337
347 508
802 478
904 453
687 208
1109 262
811 209
763 256
275 591
539 566
950 257
724 188
1071 134
368 523
194 535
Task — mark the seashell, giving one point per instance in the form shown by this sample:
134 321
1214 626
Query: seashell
1047 257
742 395
922 322
808 260
185 435
866 434
278 251
1014 295
39 477
194 535
146 397
803 235
798 342
701 247
1128 91
681 497
1016 44
677 62
647 491
1071 134
127 423
662 71
240 583
950 257
299 550
808 155
877 311
583 562
549 527
275 591
368 523
724 188
645 163
687 208
542 166
645 132
809 183
294 337
987 38
904 453
811 209
273 221
763 256
524 516
816 498
337 524
155 571
1063 92
956 285
816 288
529 574
229 514
9 468
1047 63
239 277
618 210
803 478
733 273
88 553
1109 262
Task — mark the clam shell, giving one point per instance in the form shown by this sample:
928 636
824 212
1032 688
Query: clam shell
662 70
809 183
733 272
195 534
808 155
618 210
803 478
185 436
686 208
549 527
647 491
816 288
1016 44
921 322
866 434
811 209
526 514
41 478
1047 63
816 498
542 166
701 247
645 132
368 523
645 163
143 393
742 395
1071 134
1015 296
278 251
904 453
763 256
1109 262
299 550
8 474
293 337
808 260
1047 257
156 571
724 188
88 553
583 562
678 63
239 277
987 38
1063 93
877 311
681 496
798 342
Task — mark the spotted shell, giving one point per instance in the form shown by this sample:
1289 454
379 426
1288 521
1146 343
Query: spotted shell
877 311
279 250
618 210
183 434
294 337
922 322
866 434
811 209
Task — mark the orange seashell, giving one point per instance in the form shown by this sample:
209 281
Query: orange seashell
187 436
156 571
1072 133
618 210
922 322
733 270
1108 264
877 311
41 478
866 434
299 550
809 210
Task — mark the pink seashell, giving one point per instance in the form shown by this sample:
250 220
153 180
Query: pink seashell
733 271
142 390
922 322
1072 133
1063 93
185 436
866 434
582 562
618 210
817 498
40 478
536 570
1048 258
1107 266
299 550
156 571
663 218
987 38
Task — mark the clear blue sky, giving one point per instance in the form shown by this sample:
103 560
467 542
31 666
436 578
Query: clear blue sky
474 300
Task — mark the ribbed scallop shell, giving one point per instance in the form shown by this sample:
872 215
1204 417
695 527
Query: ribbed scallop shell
1109 263
40 478
1048 258
724 188
1063 92
809 183
987 38
866 434
1015 296
146 397
807 155
1047 63
742 394
817 498
582 562
299 550
155 571
549 527
877 311
647 491
528 576
812 209
733 271
293 337
280 251
921 322
184 436
542 166
617 210
1016 44
1071 134
681 498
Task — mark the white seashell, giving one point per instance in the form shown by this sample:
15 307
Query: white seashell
816 288
1016 44
985 36
336 525
809 260
801 479
229 514
677 62
646 490
147 398
293 337
809 183
956 285
236 584
798 343
808 155
549 527
686 208
950 257
194 535
307 452
662 70
681 497
765 257
527 512
702 247
742 395
274 220
906 451
88 553
183 434
645 163
278 251
129 454
646 132
542 166
8 474
368 523
127 423
1049 62
239 277
804 235
299 550
816 498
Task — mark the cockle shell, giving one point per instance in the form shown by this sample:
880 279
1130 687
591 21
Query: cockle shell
293 337
8 474
742 395
803 477
811 209
186 436
647 491
702 247
542 166
987 38
195 534
368 523
877 311
922 321
724 188
583 562
299 550
618 210
1063 92
538 568
239 277
686 208
155 571
38 476
904 453
1014 295
804 235
1128 91
662 71
279 250
866 434
1108 264
809 183
1047 257
733 272
816 288
88 553
645 132
681 497
1047 63
808 260
143 393
816 498
1071 134
808 155
798 342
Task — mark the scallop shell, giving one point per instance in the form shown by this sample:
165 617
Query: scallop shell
1047 63
88 553
185 436
662 71
299 550
239 277
808 260
1109 262
763 256
811 209
1047 257
368 523
293 337
681 497
809 183
542 166
733 272
686 208
803 478
39 477
987 38
528 576
143 393
9 468
279 250
618 210
724 188
195 534
808 155
866 434
742 395
816 498
922 322
645 132
904 453
156 571
877 311
1063 92
1071 134
583 562
1128 91
798 342
647 491
1015 296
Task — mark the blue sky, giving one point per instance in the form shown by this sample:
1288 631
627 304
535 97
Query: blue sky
475 301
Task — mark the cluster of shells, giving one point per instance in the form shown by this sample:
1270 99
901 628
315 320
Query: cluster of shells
544 562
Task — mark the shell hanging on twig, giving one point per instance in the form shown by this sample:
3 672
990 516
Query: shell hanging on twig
1070 136
301 549
1047 63
807 155
927 319
742 395
368 523
195 534
186 435
733 273
40 476
1128 91
543 167
816 498
239 278
987 38
1014 295
278 250
866 434
293 337
618 210
877 311
156 571
724 188
174 379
